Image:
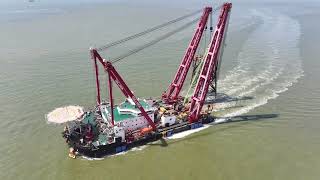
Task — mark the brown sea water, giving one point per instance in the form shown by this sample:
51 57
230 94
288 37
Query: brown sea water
268 87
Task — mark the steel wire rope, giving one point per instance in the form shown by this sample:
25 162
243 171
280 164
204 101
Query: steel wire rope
152 29
136 50
165 36
146 31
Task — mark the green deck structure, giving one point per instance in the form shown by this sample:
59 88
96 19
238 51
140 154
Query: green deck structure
89 119
125 105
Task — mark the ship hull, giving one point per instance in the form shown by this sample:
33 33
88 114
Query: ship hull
117 147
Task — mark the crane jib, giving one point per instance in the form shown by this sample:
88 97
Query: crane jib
171 95
209 66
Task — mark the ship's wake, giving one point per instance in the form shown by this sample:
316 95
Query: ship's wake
268 64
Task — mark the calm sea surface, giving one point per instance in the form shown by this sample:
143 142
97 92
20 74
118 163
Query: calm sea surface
268 86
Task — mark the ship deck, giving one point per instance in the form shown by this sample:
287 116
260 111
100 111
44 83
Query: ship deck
126 107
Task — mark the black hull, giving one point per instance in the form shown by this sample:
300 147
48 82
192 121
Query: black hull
109 149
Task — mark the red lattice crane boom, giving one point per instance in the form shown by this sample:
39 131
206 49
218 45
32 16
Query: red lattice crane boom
115 76
172 94
210 64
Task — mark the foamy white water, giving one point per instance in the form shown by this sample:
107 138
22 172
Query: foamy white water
64 114
187 133
268 64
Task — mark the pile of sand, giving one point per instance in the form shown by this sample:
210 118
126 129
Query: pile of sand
65 114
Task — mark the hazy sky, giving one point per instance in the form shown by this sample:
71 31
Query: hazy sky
41 2
48 1
77 1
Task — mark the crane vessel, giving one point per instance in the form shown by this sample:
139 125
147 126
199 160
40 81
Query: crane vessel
111 128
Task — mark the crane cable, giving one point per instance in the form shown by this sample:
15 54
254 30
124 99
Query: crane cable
165 36
147 31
